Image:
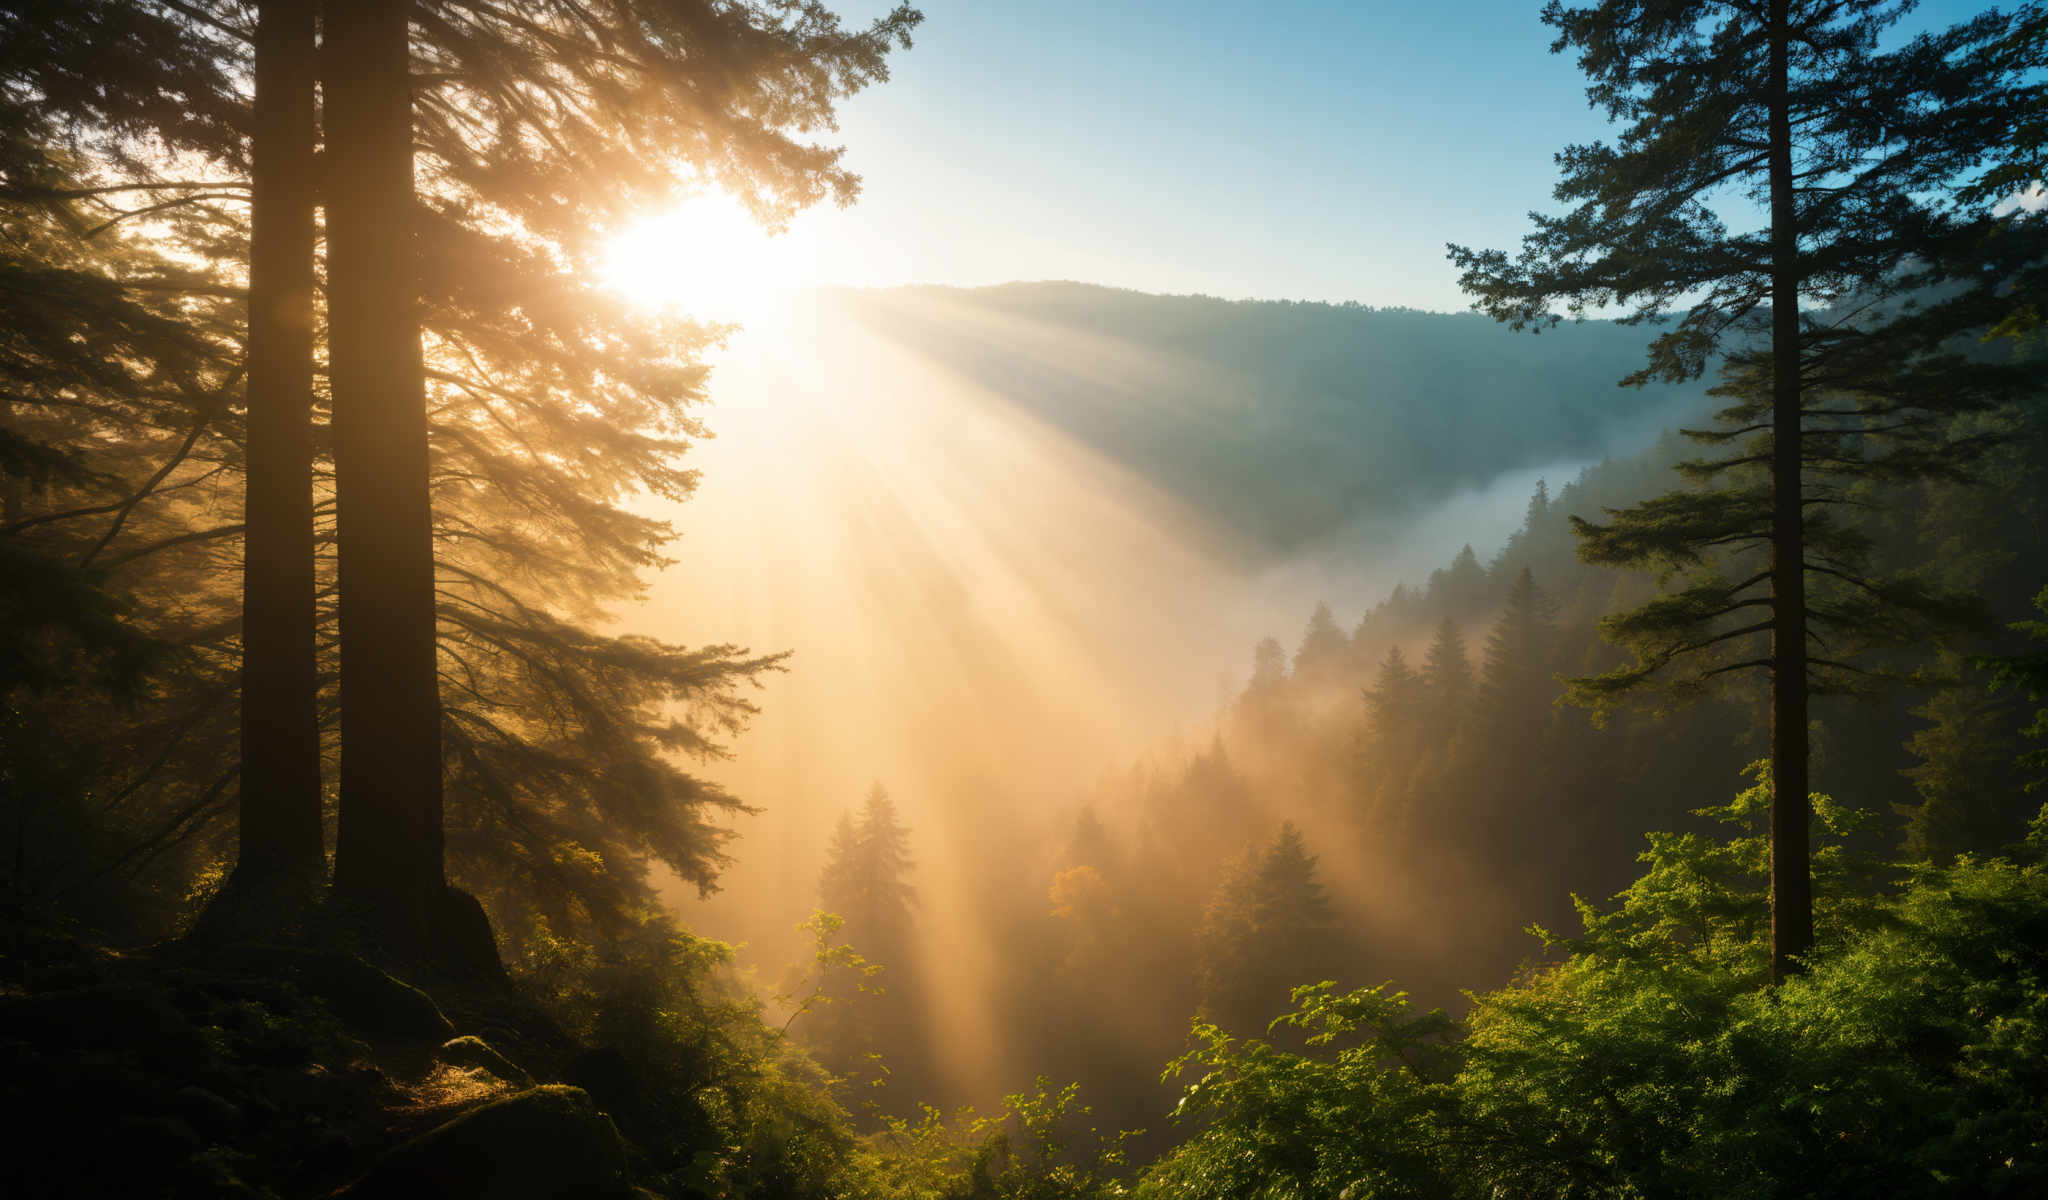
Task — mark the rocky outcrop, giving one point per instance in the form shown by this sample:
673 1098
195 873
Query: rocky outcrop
545 1143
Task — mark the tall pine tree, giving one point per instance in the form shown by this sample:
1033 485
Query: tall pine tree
1325 651
866 879
1517 683
1447 679
1267 929
281 834
1845 147
388 847
542 129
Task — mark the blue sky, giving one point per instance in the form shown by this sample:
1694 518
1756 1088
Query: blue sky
1298 149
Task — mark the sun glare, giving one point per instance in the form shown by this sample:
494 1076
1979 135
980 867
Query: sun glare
708 258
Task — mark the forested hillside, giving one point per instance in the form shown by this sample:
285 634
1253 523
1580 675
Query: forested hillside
1277 422
1689 842
1398 794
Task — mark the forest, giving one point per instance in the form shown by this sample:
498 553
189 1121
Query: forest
384 805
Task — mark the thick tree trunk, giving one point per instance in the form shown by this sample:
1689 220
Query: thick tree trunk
281 840
388 849
1791 875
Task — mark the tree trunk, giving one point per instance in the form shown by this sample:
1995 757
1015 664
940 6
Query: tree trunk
388 849
1791 875
281 839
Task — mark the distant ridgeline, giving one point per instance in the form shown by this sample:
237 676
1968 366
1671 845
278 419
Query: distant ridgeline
1281 421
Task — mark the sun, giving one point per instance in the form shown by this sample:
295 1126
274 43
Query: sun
708 258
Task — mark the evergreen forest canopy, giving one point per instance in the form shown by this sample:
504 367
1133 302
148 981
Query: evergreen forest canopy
338 815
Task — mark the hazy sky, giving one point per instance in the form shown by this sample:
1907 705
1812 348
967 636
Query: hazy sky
1300 149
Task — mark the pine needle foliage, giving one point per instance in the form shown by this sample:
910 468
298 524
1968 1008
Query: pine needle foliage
1834 320
541 128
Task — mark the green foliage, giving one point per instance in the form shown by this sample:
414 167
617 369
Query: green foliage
1908 122
1488 826
1862 229
1649 1064
1038 1146
1708 543
1970 794
830 959
1836 322
1907 1061
718 1102
1359 1114
2028 673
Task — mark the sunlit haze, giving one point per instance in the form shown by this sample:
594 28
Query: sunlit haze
1237 600
711 259
988 615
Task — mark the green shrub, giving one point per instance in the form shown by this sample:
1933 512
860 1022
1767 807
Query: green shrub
1653 1059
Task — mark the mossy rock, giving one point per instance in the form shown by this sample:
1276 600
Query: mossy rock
545 1143
367 999
472 1051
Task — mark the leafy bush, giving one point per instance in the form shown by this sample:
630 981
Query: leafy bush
714 1101
1911 1059
1038 1147
717 1102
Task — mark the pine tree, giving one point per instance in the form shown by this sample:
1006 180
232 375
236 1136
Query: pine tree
122 363
1847 149
1394 703
866 879
388 845
1269 667
1090 845
1459 590
1971 796
1512 797
281 834
1267 928
1447 678
1197 816
1225 939
1266 707
2027 674
1516 680
1291 904
1396 709
553 403
1324 649
836 879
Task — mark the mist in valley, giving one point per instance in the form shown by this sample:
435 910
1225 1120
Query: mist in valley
689 599
1021 543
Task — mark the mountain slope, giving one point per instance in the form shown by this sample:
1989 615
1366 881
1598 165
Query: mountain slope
1280 422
